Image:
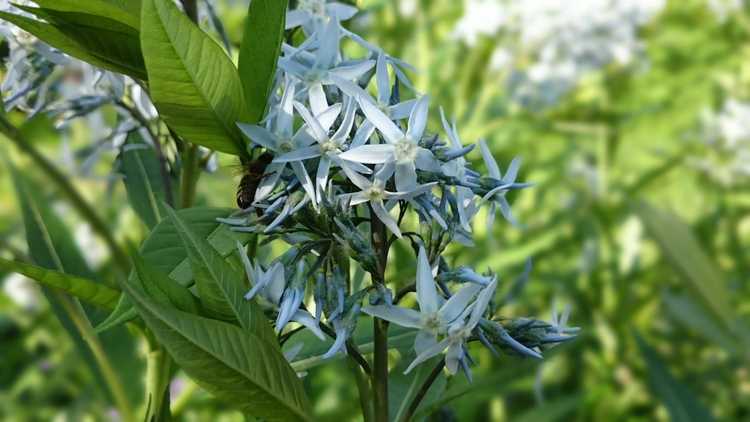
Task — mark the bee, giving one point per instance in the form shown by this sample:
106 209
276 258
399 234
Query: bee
253 172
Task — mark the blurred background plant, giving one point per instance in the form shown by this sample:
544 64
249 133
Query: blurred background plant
632 120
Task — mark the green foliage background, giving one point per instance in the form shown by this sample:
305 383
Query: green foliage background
653 257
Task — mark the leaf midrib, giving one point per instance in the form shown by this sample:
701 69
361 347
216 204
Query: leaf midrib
159 12
173 327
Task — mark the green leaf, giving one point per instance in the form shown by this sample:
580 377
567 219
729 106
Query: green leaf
162 289
192 81
682 405
51 246
57 39
106 39
550 411
219 285
237 367
685 254
259 53
143 180
123 11
686 311
82 288
163 250
402 388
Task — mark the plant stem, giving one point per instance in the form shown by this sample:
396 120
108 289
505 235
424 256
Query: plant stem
157 383
363 387
423 390
380 327
62 182
77 315
190 174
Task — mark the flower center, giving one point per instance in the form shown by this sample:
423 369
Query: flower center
286 145
405 151
375 192
317 7
329 146
432 323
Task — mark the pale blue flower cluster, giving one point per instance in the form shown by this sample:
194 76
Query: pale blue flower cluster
344 161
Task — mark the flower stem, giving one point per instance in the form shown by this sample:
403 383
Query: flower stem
423 391
111 378
157 383
190 174
380 327
363 388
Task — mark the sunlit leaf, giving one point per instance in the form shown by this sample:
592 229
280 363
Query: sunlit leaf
237 367
192 82
82 288
219 284
261 45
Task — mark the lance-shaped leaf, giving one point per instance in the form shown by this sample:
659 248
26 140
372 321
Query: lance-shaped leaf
162 289
682 404
237 367
82 288
107 39
143 180
163 250
124 11
259 53
58 39
51 246
685 254
220 286
192 81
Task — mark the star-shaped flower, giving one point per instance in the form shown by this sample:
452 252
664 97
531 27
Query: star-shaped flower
374 192
435 316
401 148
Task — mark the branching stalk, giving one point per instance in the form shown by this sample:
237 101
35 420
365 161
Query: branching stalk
380 327
83 325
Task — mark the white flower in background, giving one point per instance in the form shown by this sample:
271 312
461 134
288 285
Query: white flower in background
726 134
560 41
309 13
724 8
22 291
481 18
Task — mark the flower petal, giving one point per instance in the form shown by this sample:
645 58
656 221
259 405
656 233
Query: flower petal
314 127
426 161
398 315
259 135
383 82
390 131
480 306
406 177
489 160
352 71
318 101
427 354
369 154
457 303
385 217
304 179
270 178
303 317
301 154
418 118
427 294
